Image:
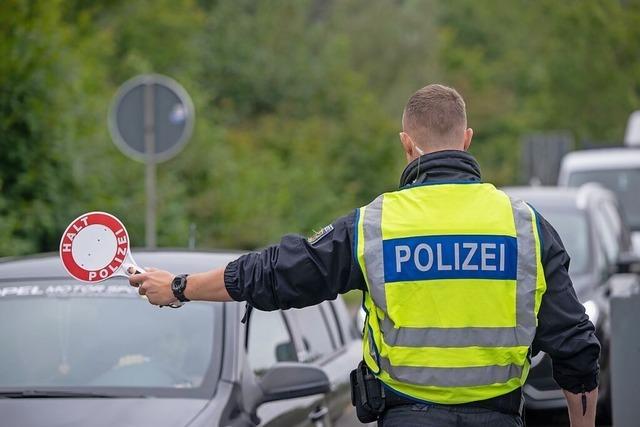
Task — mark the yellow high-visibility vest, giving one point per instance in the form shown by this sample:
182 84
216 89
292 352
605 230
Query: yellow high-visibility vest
454 282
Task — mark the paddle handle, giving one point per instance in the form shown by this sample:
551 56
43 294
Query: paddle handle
131 269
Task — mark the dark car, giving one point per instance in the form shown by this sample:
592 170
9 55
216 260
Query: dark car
77 354
589 222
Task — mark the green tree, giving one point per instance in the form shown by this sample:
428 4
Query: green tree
297 102
536 66
36 99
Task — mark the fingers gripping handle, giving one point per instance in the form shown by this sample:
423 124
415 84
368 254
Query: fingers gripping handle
131 269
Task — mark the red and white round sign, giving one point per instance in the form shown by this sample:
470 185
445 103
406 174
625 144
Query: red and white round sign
94 247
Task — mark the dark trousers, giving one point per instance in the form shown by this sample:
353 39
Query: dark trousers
424 415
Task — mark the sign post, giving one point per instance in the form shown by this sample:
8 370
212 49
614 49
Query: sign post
150 120
150 172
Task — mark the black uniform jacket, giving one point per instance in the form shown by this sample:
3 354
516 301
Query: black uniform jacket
298 273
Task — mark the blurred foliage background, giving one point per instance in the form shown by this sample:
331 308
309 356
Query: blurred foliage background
298 103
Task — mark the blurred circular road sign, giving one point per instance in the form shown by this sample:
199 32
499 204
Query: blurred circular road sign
151 118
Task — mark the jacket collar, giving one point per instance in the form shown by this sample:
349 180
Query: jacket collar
446 165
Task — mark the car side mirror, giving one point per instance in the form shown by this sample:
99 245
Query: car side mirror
285 352
288 380
628 262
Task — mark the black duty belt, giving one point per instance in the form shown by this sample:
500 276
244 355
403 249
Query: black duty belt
510 403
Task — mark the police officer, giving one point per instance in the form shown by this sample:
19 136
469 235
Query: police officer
462 285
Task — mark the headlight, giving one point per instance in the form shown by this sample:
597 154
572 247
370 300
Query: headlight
592 311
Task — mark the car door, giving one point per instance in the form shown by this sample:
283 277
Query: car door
270 340
346 357
324 341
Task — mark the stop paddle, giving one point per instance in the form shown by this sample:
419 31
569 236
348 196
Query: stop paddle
95 247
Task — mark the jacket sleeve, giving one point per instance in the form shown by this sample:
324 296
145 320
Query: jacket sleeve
564 330
298 272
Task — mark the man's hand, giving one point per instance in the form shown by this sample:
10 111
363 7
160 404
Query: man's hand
582 411
155 285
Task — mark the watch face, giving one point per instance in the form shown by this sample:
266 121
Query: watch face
175 284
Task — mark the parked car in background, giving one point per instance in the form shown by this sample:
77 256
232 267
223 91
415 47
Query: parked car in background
77 354
590 224
617 169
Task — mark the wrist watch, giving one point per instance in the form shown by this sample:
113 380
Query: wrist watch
178 285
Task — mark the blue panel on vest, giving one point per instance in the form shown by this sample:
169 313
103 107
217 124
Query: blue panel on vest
450 257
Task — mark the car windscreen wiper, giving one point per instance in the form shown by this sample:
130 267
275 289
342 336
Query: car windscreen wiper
26 394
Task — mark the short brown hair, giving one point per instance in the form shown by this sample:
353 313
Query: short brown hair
435 115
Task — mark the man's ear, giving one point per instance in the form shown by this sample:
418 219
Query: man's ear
468 135
407 146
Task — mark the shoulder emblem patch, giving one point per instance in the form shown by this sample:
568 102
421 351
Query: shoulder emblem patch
318 235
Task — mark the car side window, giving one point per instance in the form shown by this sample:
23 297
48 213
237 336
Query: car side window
269 341
316 339
332 320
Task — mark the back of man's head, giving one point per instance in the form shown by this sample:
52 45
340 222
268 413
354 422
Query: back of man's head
435 118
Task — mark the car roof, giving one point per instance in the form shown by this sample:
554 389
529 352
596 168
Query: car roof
561 197
48 265
603 158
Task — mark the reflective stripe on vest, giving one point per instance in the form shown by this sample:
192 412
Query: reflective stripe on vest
439 353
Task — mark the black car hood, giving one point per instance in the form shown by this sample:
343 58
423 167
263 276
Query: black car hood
101 412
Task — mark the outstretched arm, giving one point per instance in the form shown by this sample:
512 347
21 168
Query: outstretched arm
566 333
298 272
156 285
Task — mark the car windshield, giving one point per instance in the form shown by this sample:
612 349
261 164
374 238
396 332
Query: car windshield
573 229
66 335
624 182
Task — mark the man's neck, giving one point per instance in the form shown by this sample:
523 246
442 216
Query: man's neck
446 165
